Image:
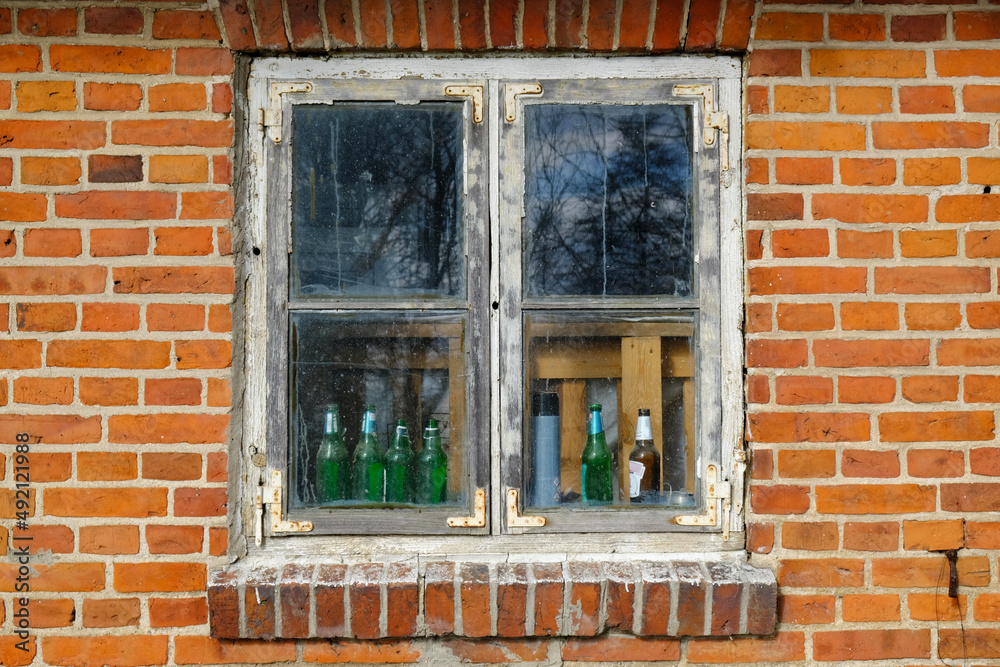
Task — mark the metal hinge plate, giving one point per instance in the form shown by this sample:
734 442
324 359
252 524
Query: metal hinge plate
473 92
510 93
715 491
271 117
478 519
517 520
714 120
271 496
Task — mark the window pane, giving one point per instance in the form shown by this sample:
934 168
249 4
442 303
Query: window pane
607 200
624 364
408 365
377 210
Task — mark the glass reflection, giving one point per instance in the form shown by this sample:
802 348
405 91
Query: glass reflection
375 197
607 200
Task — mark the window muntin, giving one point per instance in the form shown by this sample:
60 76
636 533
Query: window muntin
391 90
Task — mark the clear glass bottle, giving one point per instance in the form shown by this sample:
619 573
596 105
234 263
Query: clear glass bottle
369 463
643 462
333 461
432 468
399 470
596 466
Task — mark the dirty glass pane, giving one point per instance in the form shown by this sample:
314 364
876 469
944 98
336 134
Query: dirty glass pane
607 200
408 365
623 363
376 204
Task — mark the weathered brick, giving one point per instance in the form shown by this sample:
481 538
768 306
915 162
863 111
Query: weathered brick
875 499
117 502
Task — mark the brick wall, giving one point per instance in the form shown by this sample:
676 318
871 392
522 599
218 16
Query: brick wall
873 359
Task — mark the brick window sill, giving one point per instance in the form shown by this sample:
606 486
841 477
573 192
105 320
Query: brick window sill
492 599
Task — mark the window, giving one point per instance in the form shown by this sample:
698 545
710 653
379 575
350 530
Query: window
486 249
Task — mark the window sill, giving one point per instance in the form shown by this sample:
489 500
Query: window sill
492 598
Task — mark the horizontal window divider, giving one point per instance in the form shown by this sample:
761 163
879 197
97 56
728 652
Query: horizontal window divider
652 304
341 306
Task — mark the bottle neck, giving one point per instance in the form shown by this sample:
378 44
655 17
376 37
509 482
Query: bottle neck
368 423
595 424
644 428
401 437
332 425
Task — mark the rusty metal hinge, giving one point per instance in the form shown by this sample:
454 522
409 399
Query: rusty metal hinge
715 491
271 496
474 92
478 519
271 116
714 120
511 91
517 520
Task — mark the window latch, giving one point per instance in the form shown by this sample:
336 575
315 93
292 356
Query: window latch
478 519
271 117
271 496
510 93
474 92
517 520
715 491
714 120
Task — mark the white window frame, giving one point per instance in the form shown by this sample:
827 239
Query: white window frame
261 487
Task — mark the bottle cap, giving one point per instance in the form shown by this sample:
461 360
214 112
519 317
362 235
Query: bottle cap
401 422
594 406
370 408
333 407
545 404
432 423
643 412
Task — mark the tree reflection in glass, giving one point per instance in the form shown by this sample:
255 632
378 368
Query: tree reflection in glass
376 205
607 200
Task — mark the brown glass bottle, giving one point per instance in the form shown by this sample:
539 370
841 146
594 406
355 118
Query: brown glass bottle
643 462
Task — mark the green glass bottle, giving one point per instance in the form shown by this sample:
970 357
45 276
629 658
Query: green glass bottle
596 465
369 462
432 468
333 461
399 467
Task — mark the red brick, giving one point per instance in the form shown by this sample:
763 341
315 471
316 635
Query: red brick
206 133
930 389
769 62
111 96
220 318
110 317
200 502
779 499
808 463
933 535
183 24
109 59
875 536
12 654
440 26
472 24
110 540
634 25
7 164
853 244
114 168
47 22
869 316
106 466
876 353
23 207
304 25
982 535
39 537
758 317
548 598
970 497
984 171
933 607
800 243
159 576
932 316
871 644
783 647
822 573
756 172
512 591
56 613
867 63
20 58
200 650
173 391
863 171
405 651
216 467
754 249
62 577
108 354
178 97
703 22
119 242
803 171
736 25
935 426
174 539
239 27
52 243
985 461
203 354
56 467
50 429
928 572
803 390
810 535
969 643
970 26
222 102
919 28
861 608
924 135
109 391
105 204
174 466
784 26
175 317
111 613
807 280
777 353
760 540
982 389
802 99
167 428
761 464
870 208
926 99
774 206
184 241
968 208
117 502
43 317
43 391
929 244
857 27
117 650
177 612
866 463
172 280
806 609
930 463
981 98
112 20
46 96
792 136
875 499
971 352
656 601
